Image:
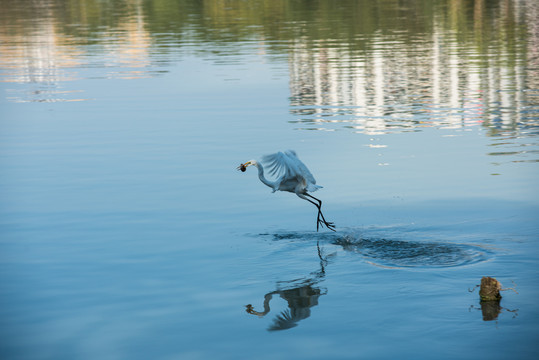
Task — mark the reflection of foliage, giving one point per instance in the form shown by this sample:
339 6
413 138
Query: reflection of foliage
462 50
231 21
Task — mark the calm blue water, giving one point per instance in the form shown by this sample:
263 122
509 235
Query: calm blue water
127 233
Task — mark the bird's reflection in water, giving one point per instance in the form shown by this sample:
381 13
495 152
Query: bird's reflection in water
300 294
300 301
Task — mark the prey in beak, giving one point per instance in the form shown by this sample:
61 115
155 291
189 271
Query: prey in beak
242 167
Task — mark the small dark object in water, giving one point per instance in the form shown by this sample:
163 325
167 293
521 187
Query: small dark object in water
490 289
489 293
242 167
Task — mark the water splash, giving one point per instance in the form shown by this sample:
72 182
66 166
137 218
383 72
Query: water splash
403 253
399 253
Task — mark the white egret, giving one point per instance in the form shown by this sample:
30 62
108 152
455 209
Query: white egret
292 176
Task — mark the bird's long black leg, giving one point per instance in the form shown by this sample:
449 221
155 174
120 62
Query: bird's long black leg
319 205
329 225
318 221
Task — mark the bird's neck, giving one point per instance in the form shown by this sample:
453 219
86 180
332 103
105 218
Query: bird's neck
262 178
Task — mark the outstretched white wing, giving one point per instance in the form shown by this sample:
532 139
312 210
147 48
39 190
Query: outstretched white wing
288 166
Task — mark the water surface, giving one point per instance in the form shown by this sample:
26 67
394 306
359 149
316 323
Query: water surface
127 233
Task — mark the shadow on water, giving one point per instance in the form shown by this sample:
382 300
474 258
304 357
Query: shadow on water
300 294
393 253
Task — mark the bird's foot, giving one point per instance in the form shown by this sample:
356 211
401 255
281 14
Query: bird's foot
322 222
330 225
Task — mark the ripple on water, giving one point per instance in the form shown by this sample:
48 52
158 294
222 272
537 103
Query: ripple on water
401 253
386 252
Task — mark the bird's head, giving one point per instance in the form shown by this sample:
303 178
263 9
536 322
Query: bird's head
244 166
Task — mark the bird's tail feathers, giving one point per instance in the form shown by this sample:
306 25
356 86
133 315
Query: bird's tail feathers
313 187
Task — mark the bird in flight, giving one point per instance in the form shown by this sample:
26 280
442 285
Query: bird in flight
292 176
